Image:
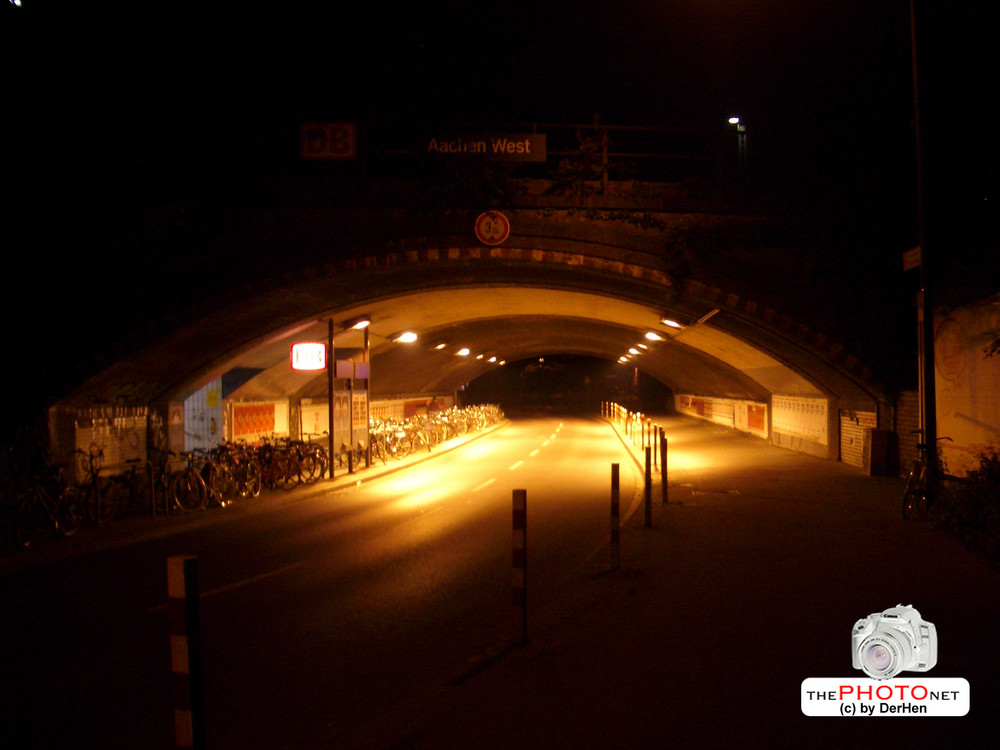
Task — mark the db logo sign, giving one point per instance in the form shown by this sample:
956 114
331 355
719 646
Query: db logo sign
328 140
492 227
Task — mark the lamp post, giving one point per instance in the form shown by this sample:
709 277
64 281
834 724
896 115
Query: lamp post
925 305
741 142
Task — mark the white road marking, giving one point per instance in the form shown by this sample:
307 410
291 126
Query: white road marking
237 584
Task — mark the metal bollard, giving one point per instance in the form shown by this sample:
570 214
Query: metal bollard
185 652
615 518
520 557
648 490
663 463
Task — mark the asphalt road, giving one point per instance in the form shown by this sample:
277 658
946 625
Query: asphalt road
318 613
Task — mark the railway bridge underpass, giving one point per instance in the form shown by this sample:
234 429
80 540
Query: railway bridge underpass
595 283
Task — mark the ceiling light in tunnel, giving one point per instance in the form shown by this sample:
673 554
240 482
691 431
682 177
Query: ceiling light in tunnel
633 350
654 336
463 352
406 337
670 323
439 345
358 323
493 359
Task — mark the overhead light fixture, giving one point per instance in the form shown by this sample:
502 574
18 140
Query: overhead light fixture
359 323
439 345
670 323
463 352
406 337
492 359
633 350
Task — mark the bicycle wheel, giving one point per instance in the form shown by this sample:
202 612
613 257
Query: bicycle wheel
286 471
251 479
116 499
221 484
915 506
68 510
911 494
187 490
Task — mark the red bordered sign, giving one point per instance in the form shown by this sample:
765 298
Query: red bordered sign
492 227
308 356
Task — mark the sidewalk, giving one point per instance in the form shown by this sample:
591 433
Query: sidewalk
47 549
749 581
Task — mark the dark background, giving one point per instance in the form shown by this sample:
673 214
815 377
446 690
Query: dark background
133 132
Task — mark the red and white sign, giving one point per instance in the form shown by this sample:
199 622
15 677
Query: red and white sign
328 140
492 227
308 356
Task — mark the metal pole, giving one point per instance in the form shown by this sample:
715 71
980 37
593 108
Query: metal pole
928 400
663 463
185 652
368 400
331 363
648 490
615 518
520 557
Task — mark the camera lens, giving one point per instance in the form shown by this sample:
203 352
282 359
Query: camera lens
878 658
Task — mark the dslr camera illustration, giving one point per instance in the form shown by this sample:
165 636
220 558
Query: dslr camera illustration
896 640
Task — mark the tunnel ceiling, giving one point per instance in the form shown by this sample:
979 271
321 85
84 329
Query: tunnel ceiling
510 308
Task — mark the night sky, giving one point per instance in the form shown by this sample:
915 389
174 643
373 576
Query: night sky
112 108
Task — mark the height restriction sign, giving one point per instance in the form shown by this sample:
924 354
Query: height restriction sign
492 227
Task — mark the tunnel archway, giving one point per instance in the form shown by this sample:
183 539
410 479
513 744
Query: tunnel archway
572 292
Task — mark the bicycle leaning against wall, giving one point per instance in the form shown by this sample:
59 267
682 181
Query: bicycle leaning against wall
922 484
47 502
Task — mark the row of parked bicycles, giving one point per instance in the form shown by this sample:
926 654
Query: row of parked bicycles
60 499
397 438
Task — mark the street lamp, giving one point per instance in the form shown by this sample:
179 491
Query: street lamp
925 304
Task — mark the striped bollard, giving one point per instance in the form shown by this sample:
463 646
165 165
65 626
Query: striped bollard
520 558
648 489
185 652
615 519
663 463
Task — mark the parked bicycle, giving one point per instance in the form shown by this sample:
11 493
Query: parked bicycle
47 503
186 489
93 501
922 484
126 490
279 468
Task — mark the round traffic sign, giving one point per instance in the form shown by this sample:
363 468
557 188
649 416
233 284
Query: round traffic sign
492 227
